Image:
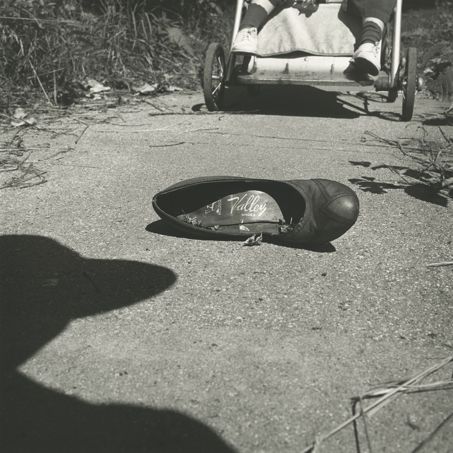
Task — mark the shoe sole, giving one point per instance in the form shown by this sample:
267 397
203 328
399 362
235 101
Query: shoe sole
365 66
245 52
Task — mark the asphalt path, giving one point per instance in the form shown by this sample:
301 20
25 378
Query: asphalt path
120 335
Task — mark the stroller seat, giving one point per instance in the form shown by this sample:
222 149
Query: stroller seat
330 31
295 48
315 51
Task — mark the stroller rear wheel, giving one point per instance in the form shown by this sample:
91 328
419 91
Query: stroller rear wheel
214 77
409 84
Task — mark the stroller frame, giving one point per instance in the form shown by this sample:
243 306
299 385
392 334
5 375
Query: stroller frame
399 74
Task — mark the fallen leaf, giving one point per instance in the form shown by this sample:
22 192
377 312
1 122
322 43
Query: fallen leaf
178 37
256 239
24 122
448 183
146 88
18 123
96 87
19 113
173 88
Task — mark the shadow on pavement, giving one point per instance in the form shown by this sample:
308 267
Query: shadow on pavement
439 121
286 101
165 229
45 285
378 98
420 186
302 101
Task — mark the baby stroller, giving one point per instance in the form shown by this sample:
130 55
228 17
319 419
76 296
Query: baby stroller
310 58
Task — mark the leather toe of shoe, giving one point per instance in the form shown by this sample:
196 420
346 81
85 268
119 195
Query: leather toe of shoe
340 210
331 208
341 201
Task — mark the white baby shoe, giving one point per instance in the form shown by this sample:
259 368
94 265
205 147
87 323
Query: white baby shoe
246 41
367 58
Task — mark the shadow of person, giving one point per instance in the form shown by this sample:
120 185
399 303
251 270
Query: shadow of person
44 286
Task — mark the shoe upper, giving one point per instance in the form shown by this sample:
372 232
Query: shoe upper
368 57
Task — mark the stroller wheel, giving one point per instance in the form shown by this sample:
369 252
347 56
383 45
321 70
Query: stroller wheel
409 84
214 77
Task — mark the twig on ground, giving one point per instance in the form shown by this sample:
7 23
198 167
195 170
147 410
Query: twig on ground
435 169
152 104
58 153
39 81
167 145
47 21
55 99
77 166
441 385
19 182
444 135
28 149
382 401
443 263
82 133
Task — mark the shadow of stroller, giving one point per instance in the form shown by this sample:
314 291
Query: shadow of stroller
287 101
44 286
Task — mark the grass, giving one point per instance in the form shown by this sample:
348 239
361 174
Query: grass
48 48
431 32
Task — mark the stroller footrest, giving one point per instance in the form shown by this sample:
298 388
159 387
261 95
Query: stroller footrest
329 85
316 67
309 70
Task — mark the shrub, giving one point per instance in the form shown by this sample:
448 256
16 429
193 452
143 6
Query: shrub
48 45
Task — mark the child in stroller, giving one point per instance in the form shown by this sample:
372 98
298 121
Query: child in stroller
374 14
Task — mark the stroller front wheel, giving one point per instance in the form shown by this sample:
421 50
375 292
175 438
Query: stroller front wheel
214 77
409 84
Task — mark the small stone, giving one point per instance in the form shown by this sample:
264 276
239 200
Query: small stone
412 422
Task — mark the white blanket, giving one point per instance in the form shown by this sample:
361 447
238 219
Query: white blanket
328 31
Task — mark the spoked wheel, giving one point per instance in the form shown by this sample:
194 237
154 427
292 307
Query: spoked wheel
409 84
386 60
214 77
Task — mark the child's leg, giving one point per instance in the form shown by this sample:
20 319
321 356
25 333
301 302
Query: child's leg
257 13
379 9
375 14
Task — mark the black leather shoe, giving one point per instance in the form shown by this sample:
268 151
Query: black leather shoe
297 212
